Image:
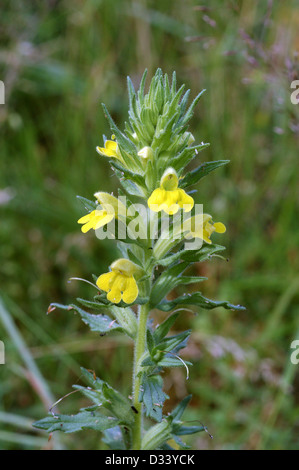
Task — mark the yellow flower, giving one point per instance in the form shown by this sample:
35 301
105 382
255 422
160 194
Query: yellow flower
111 207
110 150
95 219
203 227
111 204
120 283
169 197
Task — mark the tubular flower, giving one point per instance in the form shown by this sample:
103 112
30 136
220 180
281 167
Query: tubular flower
203 227
95 219
111 208
169 197
111 204
120 283
110 150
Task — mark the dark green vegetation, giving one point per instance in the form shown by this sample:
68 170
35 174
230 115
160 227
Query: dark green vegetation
59 61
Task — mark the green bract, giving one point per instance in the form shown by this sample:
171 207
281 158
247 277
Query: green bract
149 158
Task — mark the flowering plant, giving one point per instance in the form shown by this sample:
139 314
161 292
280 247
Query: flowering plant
151 219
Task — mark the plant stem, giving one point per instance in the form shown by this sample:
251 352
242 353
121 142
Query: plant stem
139 350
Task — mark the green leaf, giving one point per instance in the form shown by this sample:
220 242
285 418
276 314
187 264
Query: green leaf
125 317
164 283
130 187
127 174
99 302
150 340
180 161
193 256
198 300
124 142
98 323
169 280
204 253
89 205
55 305
166 360
194 176
96 396
171 427
140 92
74 423
131 91
178 411
171 343
162 330
152 396
185 430
103 394
119 405
190 110
91 379
171 361
113 438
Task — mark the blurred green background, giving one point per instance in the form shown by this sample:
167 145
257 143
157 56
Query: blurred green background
59 60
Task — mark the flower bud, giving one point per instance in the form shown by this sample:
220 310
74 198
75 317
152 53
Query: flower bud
146 153
191 138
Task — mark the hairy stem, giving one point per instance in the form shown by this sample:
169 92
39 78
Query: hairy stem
139 350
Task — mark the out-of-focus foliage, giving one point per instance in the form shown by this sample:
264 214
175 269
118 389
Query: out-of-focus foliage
59 60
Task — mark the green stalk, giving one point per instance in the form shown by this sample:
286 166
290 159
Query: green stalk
139 350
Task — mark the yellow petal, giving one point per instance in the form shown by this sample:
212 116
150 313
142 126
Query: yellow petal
85 228
86 218
110 149
103 220
171 210
170 202
106 152
156 199
114 295
111 145
171 197
117 286
130 292
219 227
104 282
206 239
185 201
